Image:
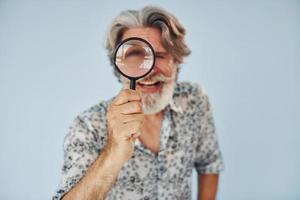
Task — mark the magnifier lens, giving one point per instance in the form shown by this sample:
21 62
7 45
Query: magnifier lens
134 58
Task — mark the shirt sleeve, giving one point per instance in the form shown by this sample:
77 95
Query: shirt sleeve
208 159
80 148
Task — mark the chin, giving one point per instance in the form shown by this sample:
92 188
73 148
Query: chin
154 102
156 93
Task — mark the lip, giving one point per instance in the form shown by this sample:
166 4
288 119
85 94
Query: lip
149 88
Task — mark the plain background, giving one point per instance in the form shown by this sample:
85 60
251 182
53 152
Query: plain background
245 53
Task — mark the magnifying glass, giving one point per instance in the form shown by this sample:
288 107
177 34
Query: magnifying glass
134 58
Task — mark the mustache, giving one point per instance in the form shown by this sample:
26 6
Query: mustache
155 78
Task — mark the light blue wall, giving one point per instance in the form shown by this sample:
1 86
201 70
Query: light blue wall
246 53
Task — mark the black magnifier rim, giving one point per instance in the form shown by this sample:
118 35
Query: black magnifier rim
134 38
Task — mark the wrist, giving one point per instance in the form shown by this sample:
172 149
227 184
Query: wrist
114 156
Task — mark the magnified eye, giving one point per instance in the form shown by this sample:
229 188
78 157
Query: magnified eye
134 58
134 53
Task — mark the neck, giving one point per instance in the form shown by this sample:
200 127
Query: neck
154 117
152 124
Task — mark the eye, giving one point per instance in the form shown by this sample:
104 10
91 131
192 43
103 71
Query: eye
159 56
135 52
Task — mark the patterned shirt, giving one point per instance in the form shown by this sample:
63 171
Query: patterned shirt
188 140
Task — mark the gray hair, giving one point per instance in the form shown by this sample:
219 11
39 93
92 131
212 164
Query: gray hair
172 31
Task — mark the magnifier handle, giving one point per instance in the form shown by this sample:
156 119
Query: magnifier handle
132 84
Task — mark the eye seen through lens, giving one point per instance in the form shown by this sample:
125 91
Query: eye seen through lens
134 58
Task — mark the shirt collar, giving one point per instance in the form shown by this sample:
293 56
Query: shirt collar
175 106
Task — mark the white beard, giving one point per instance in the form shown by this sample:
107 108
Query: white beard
155 102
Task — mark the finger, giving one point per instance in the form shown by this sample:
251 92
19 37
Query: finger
132 117
129 128
136 135
127 95
130 107
121 119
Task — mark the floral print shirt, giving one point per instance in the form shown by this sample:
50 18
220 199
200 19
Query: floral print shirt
188 140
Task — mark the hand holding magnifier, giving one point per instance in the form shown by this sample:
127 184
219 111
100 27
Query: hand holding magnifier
134 58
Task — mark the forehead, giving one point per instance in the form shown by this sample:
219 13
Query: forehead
152 35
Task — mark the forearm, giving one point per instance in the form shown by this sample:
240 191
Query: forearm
207 186
98 179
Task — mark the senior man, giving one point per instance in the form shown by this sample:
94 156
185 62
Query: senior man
144 144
